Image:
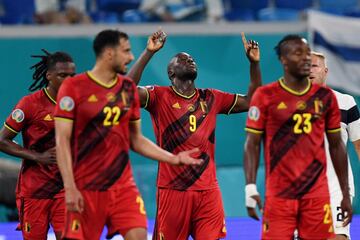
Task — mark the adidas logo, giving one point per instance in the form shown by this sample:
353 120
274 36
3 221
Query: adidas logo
282 105
48 118
176 105
92 98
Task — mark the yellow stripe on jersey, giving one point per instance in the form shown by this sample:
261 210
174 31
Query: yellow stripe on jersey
64 119
48 95
254 130
297 93
109 85
10 128
234 104
333 130
181 95
147 97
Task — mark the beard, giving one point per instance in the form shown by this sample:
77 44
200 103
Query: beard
189 75
118 69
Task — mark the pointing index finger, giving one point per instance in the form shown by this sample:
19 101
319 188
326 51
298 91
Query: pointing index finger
243 39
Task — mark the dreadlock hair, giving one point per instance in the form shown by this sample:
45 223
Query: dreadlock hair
47 62
278 48
107 38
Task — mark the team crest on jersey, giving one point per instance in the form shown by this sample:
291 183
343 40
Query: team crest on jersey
111 97
204 107
27 227
191 108
18 115
67 103
254 113
75 225
265 226
301 105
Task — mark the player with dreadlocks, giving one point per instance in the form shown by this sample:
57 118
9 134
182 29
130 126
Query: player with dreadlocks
39 193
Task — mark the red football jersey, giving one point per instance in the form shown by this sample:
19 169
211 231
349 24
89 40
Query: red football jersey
33 117
294 124
183 123
100 140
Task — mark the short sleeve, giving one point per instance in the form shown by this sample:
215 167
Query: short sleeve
135 112
20 116
257 114
225 102
353 120
333 116
66 101
150 97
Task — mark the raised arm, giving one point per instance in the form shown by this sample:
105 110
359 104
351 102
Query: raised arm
155 42
252 51
251 164
340 162
147 148
8 146
73 198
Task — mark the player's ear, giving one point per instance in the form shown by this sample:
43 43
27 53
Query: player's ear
48 75
283 61
171 74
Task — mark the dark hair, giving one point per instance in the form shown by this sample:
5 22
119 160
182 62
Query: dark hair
284 41
47 62
107 38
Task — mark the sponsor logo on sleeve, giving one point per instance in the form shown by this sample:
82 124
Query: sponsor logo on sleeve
67 104
254 113
18 115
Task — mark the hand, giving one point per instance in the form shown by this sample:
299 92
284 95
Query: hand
47 157
252 198
252 211
156 41
251 48
346 209
184 158
74 200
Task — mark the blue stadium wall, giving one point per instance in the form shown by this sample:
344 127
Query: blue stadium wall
222 64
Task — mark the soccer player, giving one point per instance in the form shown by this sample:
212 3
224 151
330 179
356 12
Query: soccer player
40 195
292 115
97 120
188 198
350 129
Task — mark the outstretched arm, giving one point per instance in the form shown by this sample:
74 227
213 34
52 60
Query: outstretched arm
9 147
253 54
147 148
340 162
251 164
155 42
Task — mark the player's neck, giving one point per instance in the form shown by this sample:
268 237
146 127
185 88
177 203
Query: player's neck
102 74
296 84
52 92
186 88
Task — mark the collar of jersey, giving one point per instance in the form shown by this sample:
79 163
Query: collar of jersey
286 88
48 96
181 95
97 81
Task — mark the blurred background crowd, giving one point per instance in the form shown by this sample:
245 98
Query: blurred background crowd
144 11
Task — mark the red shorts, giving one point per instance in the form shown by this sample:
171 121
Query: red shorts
184 213
119 209
312 218
36 215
